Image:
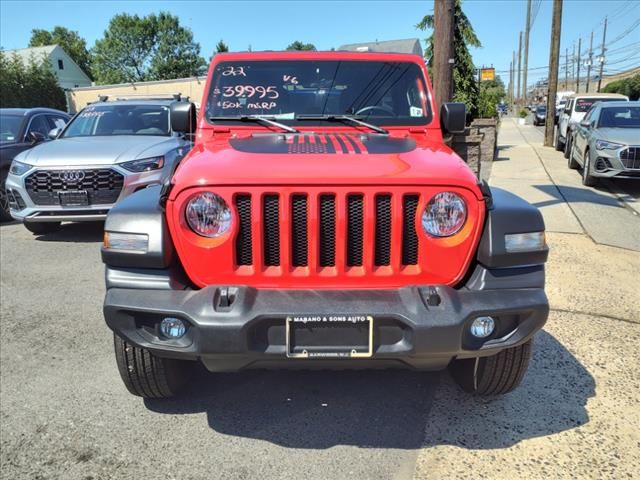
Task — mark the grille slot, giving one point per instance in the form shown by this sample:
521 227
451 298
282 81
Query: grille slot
244 254
271 230
327 231
354 230
383 230
299 257
410 241
103 186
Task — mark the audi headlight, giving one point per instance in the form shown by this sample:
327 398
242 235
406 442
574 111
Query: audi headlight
604 145
18 168
144 164
208 215
444 215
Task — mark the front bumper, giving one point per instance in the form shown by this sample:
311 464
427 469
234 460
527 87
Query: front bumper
22 207
410 330
608 164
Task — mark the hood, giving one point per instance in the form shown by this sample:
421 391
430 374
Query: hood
322 159
624 136
94 150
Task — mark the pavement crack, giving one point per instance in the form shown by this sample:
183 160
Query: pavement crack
593 314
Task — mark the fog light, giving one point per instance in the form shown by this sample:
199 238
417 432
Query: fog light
482 327
172 327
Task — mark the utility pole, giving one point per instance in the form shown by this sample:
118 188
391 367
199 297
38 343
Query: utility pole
510 82
526 52
578 65
518 94
573 63
601 59
513 85
443 50
566 69
554 54
589 62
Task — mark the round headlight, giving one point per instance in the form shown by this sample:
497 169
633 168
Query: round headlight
208 215
444 215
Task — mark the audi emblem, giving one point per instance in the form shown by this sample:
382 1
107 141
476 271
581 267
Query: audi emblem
72 176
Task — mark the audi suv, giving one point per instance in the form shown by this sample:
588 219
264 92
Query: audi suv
109 150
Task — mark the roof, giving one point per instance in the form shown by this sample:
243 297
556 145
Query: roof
409 45
26 111
622 103
596 95
25 54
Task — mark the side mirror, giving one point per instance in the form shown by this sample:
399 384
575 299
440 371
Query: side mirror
585 124
53 133
36 137
453 117
183 117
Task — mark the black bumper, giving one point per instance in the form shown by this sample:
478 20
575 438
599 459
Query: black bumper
410 329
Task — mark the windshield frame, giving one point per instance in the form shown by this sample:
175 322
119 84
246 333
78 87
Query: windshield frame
425 121
64 132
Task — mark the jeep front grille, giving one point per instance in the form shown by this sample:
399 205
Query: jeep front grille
103 186
286 222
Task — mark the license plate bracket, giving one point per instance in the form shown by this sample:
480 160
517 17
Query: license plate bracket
73 198
329 336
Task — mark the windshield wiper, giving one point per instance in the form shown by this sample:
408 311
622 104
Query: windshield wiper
343 118
264 120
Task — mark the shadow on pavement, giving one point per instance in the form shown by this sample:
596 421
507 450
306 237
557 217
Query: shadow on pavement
80 232
576 195
389 409
551 399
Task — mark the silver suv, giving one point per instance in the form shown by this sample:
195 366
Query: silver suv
109 150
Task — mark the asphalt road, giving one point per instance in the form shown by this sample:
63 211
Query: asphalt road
64 413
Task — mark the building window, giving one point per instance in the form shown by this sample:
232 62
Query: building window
60 65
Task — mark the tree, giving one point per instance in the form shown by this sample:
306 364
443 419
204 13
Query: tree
491 93
629 86
28 85
136 49
297 45
70 41
465 87
221 47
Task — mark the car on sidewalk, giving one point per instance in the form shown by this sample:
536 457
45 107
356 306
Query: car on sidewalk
540 115
21 129
573 113
109 150
320 222
606 143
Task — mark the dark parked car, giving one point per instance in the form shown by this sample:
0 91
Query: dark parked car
21 129
540 115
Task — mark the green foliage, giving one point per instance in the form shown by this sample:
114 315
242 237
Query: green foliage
627 86
70 41
30 85
297 45
136 49
491 93
221 47
523 113
465 87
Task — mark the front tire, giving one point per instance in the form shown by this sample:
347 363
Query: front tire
147 375
568 146
41 228
558 145
588 180
5 215
494 375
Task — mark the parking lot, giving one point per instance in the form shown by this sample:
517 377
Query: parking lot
65 413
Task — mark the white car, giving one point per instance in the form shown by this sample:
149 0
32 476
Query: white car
106 152
574 111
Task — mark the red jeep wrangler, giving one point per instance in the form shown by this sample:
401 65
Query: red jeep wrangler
321 222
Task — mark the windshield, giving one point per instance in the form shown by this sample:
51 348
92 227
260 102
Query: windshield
10 128
619 117
541 110
108 120
389 93
584 104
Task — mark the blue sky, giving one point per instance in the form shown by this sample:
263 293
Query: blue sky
272 25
